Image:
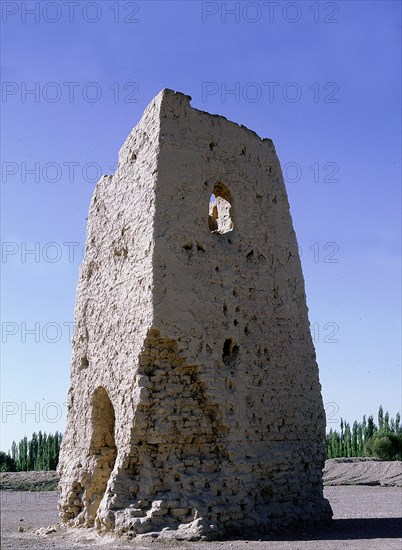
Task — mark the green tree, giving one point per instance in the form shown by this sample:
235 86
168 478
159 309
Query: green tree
348 440
39 459
398 429
23 455
380 418
354 445
7 464
32 451
360 440
14 453
385 447
45 455
40 452
370 428
366 439
56 449
51 463
342 441
386 427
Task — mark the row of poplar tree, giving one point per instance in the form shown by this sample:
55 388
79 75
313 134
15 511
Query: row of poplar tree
366 438
41 452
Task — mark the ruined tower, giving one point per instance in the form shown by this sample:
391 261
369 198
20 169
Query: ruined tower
195 405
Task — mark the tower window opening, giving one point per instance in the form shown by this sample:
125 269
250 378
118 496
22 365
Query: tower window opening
230 351
220 207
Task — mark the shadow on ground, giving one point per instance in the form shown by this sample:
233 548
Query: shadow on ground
343 529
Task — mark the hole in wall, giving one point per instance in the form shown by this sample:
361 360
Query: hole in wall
188 248
250 256
230 351
121 252
220 206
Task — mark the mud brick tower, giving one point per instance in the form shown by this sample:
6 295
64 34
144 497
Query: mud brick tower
195 406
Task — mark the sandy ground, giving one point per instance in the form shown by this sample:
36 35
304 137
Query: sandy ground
365 517
29 481
363 471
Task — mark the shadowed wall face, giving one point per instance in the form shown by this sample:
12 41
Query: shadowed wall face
197 408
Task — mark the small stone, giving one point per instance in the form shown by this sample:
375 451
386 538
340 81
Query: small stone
177 512
143 503
136 512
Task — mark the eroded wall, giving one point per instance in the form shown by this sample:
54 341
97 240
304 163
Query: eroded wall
191 314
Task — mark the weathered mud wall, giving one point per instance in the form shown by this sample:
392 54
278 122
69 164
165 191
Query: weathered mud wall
195 406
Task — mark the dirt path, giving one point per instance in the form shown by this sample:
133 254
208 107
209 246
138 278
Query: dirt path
365 518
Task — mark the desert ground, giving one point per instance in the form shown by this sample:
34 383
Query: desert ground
365 495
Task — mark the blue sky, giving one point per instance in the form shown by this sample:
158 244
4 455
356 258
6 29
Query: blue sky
321 79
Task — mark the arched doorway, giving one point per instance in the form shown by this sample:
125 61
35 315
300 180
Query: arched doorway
103 450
